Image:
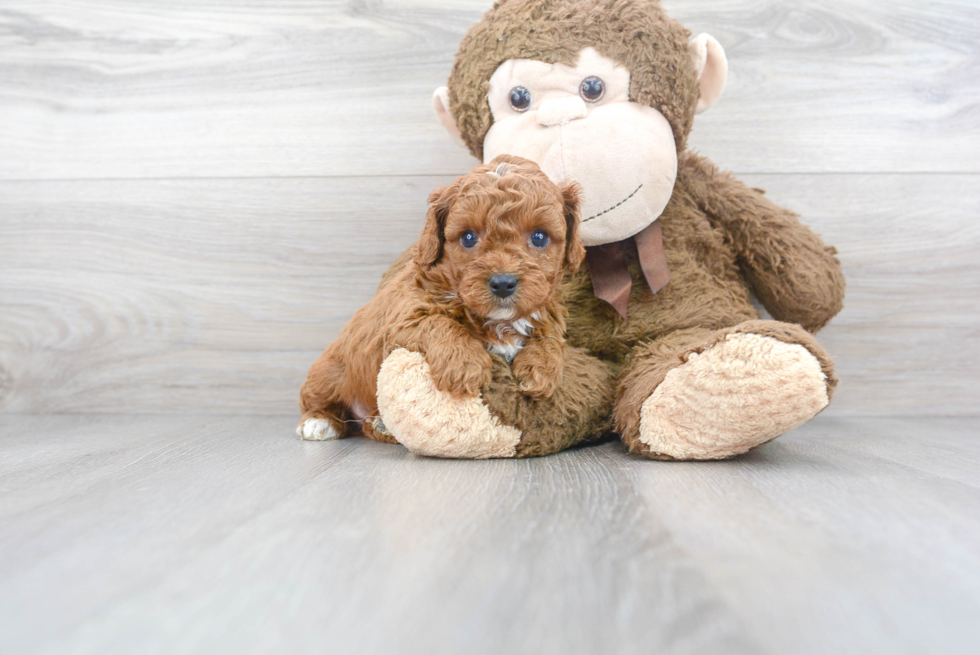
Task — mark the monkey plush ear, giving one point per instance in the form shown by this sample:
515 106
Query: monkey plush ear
428 249
712 67
440 103
574 250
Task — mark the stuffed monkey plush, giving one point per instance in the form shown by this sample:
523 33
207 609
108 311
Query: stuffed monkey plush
667 349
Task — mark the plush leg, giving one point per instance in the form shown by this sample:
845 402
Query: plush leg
702 394
503 421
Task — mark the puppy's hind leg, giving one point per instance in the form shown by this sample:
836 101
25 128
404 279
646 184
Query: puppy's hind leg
325 415
318 429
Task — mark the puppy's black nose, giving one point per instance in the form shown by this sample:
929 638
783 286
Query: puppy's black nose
503 284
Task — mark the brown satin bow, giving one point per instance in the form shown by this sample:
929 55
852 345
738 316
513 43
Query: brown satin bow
610 271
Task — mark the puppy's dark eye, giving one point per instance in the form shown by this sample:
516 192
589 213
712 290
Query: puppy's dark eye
539 239
520 98
592 89
469 239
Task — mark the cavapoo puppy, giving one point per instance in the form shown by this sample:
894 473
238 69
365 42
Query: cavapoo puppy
483 278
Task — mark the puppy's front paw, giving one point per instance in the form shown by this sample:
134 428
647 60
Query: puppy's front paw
460 374
538 372
536 381
317 429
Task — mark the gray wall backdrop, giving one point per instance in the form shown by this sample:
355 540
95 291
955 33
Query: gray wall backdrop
195 195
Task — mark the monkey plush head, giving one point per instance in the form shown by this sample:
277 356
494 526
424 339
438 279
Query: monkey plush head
600 92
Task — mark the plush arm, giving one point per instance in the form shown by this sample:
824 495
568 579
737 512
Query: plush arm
795 276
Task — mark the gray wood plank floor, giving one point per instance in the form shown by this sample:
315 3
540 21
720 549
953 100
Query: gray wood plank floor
197 534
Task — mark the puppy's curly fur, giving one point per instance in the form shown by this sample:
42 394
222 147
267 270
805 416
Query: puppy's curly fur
440 303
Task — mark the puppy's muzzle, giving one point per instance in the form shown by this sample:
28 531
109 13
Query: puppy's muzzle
502 285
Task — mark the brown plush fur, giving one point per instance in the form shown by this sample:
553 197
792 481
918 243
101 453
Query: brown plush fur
439 303
722 240
576 413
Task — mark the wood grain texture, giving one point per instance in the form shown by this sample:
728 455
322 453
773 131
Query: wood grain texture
113 89
201 534
135 296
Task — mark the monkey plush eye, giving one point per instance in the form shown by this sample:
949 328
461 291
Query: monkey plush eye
539 239
520 98
469 239
592 89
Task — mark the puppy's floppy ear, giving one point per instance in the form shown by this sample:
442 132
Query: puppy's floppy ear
574 250
428 249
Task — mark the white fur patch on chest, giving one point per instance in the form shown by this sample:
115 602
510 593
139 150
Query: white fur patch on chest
511 335
507 350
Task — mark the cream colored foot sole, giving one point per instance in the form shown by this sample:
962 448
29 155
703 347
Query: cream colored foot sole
431 422
734 396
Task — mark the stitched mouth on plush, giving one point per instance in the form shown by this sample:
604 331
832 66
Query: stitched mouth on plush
618 204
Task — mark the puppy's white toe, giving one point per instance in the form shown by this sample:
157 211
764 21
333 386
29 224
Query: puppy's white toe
317 429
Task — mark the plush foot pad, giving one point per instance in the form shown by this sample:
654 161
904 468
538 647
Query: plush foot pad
734 396
431 422
317 429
